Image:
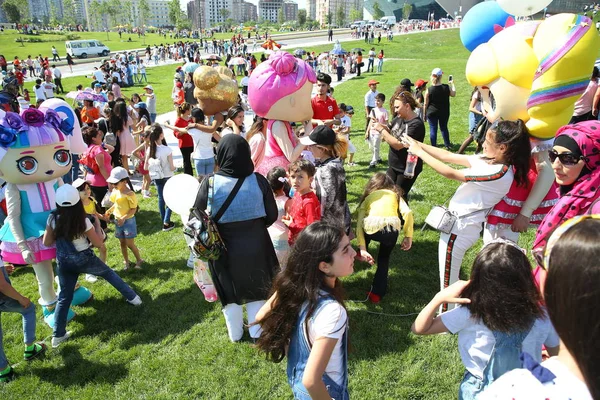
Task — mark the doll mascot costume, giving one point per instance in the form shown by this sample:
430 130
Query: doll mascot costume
279 90
216 89
534 71
34 154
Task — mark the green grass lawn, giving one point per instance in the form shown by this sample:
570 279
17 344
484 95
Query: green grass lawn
175 346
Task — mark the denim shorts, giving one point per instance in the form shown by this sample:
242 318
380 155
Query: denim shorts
126 231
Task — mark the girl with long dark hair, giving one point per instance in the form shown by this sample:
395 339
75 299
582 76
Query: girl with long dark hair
305 318
121 123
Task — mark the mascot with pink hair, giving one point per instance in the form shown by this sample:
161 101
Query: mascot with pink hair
34 154
279 90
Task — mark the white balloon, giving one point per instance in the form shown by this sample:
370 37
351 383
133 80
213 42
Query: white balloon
523 8
180 193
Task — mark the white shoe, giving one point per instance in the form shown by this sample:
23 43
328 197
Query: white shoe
146 194
137 301
91 278
56 341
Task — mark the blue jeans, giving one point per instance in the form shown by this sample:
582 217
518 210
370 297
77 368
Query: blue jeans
433 128
153 118
205 166
11 305
71 263
165 212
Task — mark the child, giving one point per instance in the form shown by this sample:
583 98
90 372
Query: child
345 127
305 208
377 115
140 153
310 325
279 232
73 233
501 317
381 213
124 208
13 301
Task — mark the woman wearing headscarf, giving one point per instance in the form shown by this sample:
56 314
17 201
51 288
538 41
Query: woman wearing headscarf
575 159
244 272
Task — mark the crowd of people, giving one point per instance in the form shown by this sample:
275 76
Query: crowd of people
285 221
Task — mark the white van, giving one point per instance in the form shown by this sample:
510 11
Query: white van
358 24
85 48
387 21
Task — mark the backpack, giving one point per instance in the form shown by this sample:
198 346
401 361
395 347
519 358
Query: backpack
155 168
89 163
201 232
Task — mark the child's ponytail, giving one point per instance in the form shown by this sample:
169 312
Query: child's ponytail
515 135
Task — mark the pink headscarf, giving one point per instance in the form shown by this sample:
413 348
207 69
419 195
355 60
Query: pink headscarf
585 189
281 75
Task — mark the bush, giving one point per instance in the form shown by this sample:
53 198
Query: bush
72 36
30 40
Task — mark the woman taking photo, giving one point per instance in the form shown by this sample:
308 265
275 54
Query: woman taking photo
406 122
485 181
437 107
243 274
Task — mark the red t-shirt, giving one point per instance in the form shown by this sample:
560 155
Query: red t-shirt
305 210
185 140
323 110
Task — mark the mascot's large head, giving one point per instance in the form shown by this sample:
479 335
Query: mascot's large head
34 146
216 90
280 88
536 71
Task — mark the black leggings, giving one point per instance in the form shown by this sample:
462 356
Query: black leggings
403 182
387 240
186 153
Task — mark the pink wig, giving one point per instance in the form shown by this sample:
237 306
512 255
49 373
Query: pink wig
281 75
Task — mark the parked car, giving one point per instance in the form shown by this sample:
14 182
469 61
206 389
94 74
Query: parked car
85 48
387 21
358 24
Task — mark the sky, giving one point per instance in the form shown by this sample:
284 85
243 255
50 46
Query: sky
301 3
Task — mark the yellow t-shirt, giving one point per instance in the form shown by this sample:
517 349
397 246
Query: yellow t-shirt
91 207
122 203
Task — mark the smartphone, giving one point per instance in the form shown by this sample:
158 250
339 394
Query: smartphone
449 78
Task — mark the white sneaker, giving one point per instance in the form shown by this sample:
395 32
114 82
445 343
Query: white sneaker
56 341
91 278
137 301
146 194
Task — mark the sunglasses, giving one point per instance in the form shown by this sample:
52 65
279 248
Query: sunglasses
564 158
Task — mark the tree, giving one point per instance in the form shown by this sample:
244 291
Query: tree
377 12
96 13
407 9
329 18
68 12
355 14
301 17
127 14
340 16
224 13
174 11
143 12
280 16
12 11
53 14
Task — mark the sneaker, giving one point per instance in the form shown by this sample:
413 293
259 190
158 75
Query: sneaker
374 298
91 278
352 164
56 341
7 377
136 301
380 161
38 350
168 226
146 194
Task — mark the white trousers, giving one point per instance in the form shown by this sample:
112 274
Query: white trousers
506 233
451 251
45 277
375 145
234 319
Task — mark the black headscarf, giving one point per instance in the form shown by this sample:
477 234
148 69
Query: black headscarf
233 157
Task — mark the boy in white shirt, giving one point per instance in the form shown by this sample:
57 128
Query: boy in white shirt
38 89
151 102
377 115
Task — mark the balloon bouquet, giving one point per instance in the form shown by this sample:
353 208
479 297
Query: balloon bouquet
534 71
34 154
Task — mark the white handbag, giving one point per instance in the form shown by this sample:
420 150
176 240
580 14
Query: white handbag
441 219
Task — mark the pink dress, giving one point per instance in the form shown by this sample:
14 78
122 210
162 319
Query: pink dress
126 138
257 149
274 156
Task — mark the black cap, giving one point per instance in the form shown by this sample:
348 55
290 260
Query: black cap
406 83
325 78
322 134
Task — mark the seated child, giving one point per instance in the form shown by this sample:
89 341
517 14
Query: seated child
305 208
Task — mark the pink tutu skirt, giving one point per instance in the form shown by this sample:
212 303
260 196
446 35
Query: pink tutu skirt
269 163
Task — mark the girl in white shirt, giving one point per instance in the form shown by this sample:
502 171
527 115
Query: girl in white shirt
501 317
203 154
485 181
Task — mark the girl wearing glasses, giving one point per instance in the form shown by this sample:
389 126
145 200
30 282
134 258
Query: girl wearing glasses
485 181
575 159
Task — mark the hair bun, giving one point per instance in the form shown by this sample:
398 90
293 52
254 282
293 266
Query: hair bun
283 62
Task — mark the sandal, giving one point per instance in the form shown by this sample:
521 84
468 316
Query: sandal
7 377
38 349
138 265
125 265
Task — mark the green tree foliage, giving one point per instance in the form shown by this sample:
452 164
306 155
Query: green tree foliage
301 17
143 11
329 18
68 12
12 11
377 12
280 16
174 11
53 14
96 13
355 14
407 9
340 16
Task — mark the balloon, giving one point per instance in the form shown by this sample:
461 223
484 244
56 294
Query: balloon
180 193
478 25
523 8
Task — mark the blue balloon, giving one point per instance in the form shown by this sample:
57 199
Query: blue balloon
477 26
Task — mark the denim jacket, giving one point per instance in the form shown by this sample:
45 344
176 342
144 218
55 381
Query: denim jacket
248 203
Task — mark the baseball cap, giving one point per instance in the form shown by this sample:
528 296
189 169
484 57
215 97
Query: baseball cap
148 87
325 78
179 84
406 83
77 183
420 82
117 175
349 110
141 104
66 196
97 85
373 82
322 134
437 71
